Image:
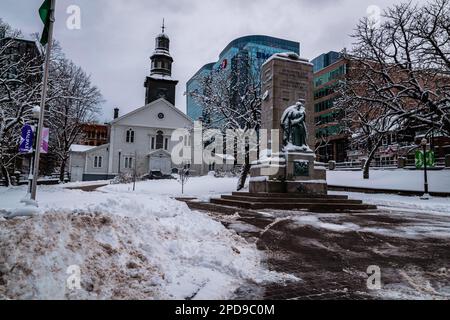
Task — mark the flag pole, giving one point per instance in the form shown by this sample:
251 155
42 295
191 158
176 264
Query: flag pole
43 98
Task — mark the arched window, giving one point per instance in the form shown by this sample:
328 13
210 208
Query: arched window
130 136
159 140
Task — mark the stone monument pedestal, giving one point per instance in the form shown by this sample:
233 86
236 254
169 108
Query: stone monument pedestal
291 172
302 174
289 108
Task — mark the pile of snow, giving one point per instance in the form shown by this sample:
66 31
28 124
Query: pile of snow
411 180
141 245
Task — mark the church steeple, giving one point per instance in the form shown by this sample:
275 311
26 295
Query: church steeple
161 58
160 83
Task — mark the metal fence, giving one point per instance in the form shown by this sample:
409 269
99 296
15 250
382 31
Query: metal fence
22 179
384 164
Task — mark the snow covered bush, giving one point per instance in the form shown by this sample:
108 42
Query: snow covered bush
123 178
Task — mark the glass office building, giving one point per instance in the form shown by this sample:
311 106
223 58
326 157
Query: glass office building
257 48
329 68
324 60
194 110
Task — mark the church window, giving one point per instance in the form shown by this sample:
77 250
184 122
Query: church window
166 144
153 143
159 140
130 136
128 162
98 161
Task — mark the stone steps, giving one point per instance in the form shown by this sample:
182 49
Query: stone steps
292 199
325 206
210 207
289 196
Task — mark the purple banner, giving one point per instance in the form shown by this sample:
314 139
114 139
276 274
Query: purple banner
26 139
45 138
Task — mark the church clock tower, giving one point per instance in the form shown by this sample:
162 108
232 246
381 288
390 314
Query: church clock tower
160 83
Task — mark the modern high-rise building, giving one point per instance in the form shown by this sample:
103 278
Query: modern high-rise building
256 48
331 139
324 60
194 110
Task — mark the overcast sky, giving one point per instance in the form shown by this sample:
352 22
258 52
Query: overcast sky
116 37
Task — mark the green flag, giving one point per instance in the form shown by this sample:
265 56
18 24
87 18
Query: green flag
45 14
420 159
429 157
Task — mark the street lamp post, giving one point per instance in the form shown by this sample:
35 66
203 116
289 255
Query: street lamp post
37 153
426 195
35 114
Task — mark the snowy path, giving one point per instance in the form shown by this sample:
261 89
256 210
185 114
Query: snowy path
146 245
434 206
331 253
412 180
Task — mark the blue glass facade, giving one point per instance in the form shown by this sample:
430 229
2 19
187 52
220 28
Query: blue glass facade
256 48
324 60
194 110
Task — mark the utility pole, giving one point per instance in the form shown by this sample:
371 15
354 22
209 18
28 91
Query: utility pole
426 195
43 98
135 168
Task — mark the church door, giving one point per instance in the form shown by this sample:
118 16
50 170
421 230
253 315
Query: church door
161 163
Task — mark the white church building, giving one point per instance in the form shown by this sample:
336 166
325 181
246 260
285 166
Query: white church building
141 139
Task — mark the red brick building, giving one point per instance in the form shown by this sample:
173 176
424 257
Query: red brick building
94 135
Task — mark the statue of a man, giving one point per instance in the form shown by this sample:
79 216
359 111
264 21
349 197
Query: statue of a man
293 123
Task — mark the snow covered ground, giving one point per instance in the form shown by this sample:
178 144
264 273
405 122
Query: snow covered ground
411 180
200 187
435 205
146 245
141 245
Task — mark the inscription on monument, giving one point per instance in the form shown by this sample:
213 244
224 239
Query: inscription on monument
301 168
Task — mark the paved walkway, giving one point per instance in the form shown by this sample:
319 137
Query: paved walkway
330 253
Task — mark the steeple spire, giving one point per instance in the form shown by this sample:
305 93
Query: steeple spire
159 84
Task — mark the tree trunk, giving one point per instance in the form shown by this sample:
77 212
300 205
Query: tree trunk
6 176
62 169
366 171
243 176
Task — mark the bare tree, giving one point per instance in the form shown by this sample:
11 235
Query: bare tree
231 100
183 176
19 93
77 104
368 125
71 98
398 73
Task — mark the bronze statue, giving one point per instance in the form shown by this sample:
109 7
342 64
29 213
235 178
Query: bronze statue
294 127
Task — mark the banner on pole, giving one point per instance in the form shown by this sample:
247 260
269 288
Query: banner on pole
45 138
26 139
429 157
